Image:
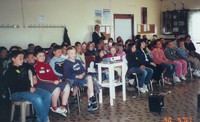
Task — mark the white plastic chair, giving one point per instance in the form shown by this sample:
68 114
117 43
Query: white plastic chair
24 108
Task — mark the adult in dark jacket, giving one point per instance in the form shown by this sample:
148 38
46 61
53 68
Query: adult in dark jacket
146 61
97 35
134 65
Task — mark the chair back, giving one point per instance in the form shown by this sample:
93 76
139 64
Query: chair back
30 75
88 60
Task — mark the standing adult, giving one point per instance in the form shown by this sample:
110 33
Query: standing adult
97 35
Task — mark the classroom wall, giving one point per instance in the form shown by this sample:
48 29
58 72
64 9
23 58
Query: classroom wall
77 15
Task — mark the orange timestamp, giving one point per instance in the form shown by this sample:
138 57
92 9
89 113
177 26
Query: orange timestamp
178 119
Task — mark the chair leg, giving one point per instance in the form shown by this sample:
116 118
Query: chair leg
78 100
23 113
12 112
191 75
68 110
28 110
151 85
190 70
163 82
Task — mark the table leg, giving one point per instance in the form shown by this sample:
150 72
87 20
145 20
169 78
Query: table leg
123 82
100 82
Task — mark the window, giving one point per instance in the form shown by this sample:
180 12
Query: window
194 28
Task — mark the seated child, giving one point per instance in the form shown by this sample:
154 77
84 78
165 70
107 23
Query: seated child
90 50
64 51
56 62
49 81
18 81
181 65
29 58
135 66
74 70
145 60
183 54
80 56
4 57
160 59
120 51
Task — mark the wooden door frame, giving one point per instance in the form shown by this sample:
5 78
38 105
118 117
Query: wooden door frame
125 16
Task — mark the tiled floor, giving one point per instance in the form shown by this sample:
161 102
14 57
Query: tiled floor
180 105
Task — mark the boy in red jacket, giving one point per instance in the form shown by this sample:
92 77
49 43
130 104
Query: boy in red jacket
50 82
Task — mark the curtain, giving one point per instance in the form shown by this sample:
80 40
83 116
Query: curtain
194 28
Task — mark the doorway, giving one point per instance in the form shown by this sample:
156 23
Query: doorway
124 26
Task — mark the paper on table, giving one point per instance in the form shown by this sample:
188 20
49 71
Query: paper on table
145 27
102 29
139 28
148 27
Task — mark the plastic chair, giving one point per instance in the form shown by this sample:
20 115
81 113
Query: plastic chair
136 77
88 60
190 70
24 108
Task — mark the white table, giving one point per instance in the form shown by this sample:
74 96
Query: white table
111 84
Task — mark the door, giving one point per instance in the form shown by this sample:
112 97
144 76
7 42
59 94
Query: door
123 26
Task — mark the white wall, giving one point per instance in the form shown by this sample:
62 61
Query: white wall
77 15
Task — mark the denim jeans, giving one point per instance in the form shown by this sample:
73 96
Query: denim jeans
40 100
170 69
144 75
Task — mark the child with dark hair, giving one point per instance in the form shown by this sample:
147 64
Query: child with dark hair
13 48
146 60
160 59
49 81
17 80
135 66
90 50
189 45
30 47
29 58
119 40
4 57
57 61
64 51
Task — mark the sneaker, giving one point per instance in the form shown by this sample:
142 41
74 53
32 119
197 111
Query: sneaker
131 82
92 107
176 79
168 82
63 109
196 73
145 88
59 110
183 77
93 100
141 89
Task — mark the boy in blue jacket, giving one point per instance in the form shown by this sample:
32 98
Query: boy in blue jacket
74 70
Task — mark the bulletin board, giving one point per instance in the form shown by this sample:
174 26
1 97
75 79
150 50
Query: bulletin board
106 31
145 28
